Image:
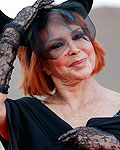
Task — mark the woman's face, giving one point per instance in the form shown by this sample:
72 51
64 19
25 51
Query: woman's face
78 57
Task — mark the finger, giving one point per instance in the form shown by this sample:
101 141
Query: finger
40 3
67 141
70 132
69 138
71 135
67 134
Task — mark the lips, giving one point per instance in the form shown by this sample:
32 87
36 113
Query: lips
76 63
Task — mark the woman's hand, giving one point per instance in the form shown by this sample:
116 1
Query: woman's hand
89 138
10 40
27 14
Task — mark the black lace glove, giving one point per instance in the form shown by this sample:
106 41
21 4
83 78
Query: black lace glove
89 138
10 40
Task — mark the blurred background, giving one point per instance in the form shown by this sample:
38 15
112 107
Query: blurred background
106 17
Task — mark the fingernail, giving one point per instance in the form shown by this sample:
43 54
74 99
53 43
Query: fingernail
60 138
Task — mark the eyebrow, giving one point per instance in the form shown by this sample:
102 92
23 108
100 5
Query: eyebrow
73 31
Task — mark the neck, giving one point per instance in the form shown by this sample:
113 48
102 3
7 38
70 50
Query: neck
82 92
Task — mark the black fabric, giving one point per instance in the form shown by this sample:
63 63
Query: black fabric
34 126
108 124
4 143
87 4
3 20
62 13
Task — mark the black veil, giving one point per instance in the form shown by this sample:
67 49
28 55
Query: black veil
70 11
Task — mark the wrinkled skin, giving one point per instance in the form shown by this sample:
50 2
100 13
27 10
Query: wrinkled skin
89 138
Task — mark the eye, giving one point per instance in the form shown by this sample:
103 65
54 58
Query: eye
79 36
57 45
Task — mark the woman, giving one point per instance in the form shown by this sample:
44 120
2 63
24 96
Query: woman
59 56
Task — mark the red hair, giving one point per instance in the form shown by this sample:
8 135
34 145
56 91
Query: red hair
100 53
35 81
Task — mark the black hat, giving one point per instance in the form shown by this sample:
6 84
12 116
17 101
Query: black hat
68 11
3 20
31 38
87 4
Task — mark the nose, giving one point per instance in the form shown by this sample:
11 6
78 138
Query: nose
73 49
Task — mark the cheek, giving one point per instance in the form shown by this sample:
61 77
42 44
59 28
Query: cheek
91 54
57 64
92 58
89 48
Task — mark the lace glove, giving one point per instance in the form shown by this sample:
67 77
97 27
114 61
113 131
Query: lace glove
10 40
89 138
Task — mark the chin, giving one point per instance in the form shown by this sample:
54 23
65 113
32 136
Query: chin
84 76
86 73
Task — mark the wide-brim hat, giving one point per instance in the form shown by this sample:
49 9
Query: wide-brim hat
87 4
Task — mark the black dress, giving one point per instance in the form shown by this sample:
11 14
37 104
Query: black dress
33 126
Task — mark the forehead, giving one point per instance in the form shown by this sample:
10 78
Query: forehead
58 26
56 19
